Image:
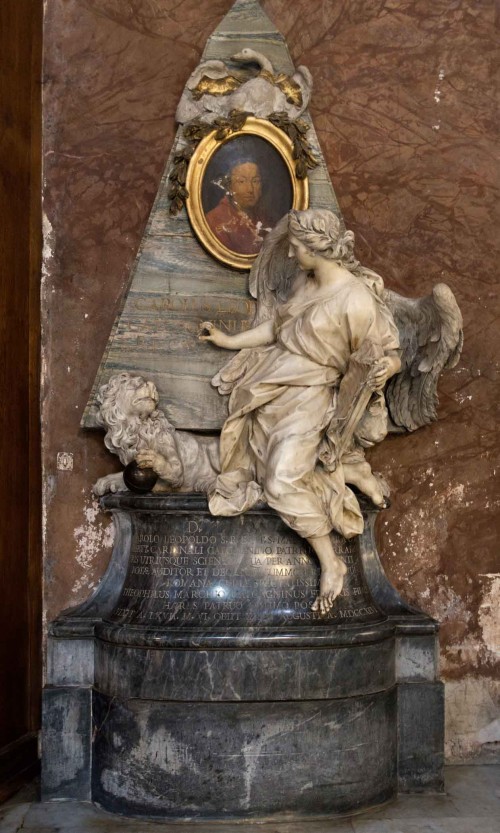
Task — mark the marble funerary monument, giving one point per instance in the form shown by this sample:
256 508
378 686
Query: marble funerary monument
244 655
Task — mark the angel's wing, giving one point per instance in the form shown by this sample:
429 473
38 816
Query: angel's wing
273 273
430 332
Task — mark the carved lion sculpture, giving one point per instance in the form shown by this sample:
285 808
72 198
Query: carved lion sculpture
137 430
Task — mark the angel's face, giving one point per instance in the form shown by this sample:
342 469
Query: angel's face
306 258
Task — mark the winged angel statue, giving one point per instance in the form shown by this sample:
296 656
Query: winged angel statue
332 363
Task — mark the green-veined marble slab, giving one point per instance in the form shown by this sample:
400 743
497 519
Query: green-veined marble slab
175 284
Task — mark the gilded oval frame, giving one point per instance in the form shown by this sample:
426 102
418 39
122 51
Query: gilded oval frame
198 164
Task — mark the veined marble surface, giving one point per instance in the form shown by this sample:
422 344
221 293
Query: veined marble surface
175 284
405 108
471 804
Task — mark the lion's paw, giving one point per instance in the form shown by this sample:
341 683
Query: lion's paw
109 483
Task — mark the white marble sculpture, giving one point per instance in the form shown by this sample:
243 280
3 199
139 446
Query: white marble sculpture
137 430
332 362
214 90
307 387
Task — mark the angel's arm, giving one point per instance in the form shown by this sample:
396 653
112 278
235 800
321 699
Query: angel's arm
363 325
257 337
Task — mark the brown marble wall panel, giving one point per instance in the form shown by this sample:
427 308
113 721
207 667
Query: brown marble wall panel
405 106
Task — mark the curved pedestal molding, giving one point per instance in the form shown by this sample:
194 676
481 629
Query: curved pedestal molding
197 683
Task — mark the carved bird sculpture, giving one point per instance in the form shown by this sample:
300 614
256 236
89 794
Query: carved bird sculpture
215 90
213 78
295 89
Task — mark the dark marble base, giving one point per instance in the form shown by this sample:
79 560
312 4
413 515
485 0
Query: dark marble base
197 683
245 759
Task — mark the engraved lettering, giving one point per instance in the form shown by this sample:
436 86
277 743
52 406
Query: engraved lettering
351 613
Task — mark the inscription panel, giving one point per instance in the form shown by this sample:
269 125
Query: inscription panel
248 571
168 325
174 312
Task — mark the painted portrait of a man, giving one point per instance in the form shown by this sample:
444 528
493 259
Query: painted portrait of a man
246 190
238 220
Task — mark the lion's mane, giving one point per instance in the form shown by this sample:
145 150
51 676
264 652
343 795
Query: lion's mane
127 434
193 462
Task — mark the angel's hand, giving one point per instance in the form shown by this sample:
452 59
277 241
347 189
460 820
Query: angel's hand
149 459
379 374
209 332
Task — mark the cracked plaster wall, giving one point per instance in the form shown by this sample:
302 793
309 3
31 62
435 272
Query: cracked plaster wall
404 106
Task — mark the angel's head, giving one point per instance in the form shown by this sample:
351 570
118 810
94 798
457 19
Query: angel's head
320 232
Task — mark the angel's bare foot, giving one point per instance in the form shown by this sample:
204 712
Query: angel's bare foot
333 571
330 586
361 476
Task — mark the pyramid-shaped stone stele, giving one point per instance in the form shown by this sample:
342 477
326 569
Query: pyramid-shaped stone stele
175 284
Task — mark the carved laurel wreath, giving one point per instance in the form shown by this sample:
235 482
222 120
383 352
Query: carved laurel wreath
196 130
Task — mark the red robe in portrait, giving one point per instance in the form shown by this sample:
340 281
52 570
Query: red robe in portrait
238 231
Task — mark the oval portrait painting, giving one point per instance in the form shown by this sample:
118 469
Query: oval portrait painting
242 186
246 190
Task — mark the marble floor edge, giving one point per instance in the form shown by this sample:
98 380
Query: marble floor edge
470 804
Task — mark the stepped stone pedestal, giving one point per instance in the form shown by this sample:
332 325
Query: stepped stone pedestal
197 683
